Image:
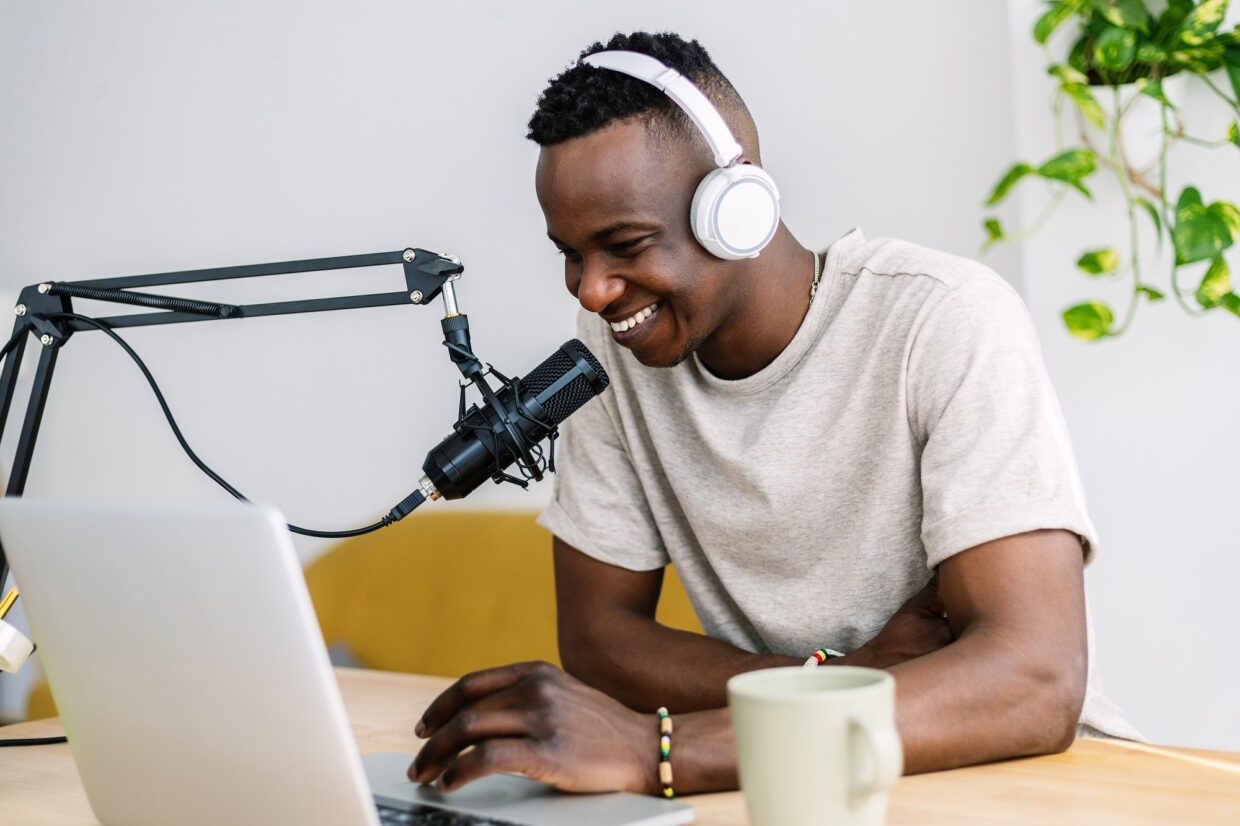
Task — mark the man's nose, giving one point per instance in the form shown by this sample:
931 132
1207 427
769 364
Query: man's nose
599 286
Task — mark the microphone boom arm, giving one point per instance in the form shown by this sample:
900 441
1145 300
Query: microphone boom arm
427 276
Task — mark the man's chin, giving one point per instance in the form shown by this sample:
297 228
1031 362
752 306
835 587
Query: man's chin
660 357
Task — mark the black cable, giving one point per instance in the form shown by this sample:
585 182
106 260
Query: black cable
34 741
403 509
4 351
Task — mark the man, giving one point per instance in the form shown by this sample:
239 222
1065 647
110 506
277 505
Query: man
857 451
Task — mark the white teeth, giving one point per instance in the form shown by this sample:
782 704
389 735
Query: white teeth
634 320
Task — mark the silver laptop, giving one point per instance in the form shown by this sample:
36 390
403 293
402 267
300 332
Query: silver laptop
191 676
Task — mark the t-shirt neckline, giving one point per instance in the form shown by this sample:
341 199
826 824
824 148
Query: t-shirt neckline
808 333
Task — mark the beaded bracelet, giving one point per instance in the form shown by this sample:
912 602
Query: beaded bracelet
665 752
820 656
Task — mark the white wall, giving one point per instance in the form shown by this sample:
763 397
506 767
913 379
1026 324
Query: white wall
147 136
1153 417
153 136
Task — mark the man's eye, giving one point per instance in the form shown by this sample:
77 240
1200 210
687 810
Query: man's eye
571 255
627 248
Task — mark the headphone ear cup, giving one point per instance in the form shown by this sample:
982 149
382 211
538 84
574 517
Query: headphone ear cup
735 211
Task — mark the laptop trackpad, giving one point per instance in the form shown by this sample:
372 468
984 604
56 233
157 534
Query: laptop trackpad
519 799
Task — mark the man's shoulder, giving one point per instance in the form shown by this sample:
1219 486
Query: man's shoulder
914 264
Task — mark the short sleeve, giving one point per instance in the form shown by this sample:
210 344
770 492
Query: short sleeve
996 457
598 504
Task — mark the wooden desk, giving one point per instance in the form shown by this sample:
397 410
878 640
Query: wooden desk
1095 782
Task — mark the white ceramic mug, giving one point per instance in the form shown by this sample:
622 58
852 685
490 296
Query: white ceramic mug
816 745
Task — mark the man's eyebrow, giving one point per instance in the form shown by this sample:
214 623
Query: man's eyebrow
620 226
607 231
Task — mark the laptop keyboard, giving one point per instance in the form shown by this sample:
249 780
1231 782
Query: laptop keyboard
430 816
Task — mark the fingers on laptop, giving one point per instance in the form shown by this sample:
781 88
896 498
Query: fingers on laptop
516 755
535 720
473 687
478 723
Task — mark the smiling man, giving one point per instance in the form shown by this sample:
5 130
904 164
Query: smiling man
857 449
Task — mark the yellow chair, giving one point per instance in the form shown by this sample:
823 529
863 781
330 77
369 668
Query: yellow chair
451 592
39 703
441 593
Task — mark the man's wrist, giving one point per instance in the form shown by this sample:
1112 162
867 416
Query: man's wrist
704 756
646 753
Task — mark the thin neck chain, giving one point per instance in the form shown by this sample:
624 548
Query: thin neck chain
813 290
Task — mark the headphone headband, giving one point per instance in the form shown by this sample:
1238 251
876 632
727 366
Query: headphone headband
681 90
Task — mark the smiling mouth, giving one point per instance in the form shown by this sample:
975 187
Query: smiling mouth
634 320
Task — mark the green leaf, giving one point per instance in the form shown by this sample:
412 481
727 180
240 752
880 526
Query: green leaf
1232 302
1199 237
1198 59
1152 211
1090 321
1215 284
1150 293
1070 167
1098 262
1050 20
1189 197
1229 215
1203 20
1200 232
1115 49
1174 14
1233 133
1008 180
1154 89
1231 61
994 232
1076 57
1126 14
1151 53
1085 101
1067 74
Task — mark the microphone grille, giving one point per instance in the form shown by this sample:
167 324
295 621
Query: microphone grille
589 380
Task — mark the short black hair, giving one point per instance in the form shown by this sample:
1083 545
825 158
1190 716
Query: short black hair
583 99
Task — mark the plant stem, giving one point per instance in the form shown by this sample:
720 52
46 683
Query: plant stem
1057 108
1167 217
1031 230
1136 177
1199 141
1121 173
1235 106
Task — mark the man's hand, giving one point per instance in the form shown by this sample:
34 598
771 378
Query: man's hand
535 720
917 629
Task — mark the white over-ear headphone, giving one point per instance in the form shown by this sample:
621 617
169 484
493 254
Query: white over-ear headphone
735 210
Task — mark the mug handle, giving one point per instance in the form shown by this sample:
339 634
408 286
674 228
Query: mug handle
884 745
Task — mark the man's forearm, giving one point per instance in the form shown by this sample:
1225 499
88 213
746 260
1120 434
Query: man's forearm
646 665
984 698
976 700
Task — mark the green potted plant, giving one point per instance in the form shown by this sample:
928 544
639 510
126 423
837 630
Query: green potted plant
1120 57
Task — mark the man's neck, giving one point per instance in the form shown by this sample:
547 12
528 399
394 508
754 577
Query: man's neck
776 298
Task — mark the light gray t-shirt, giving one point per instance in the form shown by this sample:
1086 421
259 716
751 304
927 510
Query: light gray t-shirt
910 418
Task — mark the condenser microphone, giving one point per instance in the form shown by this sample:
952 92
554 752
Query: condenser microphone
487 440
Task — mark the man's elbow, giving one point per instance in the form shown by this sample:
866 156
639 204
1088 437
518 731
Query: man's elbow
582 648
1057 695
575 651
